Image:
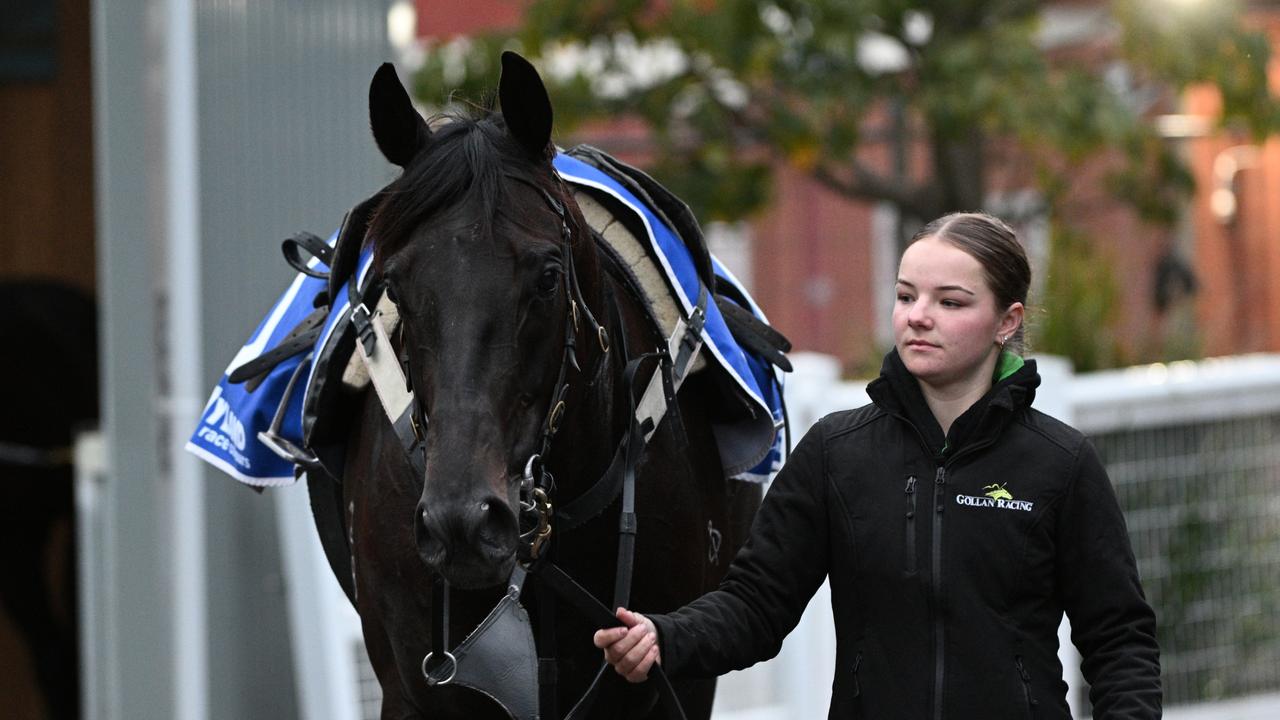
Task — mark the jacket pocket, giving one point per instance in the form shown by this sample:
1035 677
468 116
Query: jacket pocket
911 524
1027 695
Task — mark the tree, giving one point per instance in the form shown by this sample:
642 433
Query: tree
850 91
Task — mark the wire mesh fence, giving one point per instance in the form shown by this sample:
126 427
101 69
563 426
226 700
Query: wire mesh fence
1202 502
1195 462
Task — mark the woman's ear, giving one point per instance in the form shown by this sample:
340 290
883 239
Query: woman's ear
1010 321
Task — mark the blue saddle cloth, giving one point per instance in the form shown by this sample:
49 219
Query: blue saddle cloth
229 434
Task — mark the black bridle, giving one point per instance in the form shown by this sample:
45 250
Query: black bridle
537 486
537 515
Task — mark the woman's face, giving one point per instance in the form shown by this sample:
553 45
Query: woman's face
945 320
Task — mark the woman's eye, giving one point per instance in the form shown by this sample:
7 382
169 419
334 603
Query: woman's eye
904 298
548 281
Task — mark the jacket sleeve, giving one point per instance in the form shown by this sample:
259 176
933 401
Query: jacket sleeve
769 582
1111 623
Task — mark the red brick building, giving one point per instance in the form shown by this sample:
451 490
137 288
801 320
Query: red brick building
1235 221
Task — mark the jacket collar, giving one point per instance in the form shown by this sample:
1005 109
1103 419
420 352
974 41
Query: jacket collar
898 393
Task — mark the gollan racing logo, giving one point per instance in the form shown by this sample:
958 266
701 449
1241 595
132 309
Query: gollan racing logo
996 496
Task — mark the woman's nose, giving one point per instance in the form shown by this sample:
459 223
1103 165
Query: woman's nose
918 316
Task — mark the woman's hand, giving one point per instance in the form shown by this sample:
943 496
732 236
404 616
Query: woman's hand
631 650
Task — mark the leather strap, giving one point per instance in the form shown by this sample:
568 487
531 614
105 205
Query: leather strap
439 618
548 672
301 337
326 510
591 503
389 382
682 347
312 245
595 611
754 334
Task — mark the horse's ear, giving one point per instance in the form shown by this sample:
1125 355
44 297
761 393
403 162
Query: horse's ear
525 104
397 127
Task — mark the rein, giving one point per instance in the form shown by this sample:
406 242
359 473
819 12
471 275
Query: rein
393 381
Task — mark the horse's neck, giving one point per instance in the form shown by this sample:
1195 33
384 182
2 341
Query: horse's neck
596 424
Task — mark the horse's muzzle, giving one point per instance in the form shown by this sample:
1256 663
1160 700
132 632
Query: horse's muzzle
472 544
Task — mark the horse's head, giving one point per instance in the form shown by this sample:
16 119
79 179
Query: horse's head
476 240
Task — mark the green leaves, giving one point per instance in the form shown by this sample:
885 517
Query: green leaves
807 82
980 96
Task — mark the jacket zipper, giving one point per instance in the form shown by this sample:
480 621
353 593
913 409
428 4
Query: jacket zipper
857 688
911 524
939 484
1026 687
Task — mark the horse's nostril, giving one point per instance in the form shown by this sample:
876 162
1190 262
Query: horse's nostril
431 546
495 526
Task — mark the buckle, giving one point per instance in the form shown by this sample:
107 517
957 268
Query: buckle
362 319
541 532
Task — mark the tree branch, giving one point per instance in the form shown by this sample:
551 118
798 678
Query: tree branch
865 184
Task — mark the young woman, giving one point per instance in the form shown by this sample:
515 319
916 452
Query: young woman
956 525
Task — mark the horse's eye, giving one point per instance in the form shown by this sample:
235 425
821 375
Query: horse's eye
548 281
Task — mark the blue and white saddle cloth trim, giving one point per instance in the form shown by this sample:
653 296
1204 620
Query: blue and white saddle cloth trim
227 436
756 378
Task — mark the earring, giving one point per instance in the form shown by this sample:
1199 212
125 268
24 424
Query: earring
1001 341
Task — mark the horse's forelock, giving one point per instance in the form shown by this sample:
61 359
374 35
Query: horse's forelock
467 161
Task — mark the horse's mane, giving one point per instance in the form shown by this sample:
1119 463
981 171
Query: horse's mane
468 158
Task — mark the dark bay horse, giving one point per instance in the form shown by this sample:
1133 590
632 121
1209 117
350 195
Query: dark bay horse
487 274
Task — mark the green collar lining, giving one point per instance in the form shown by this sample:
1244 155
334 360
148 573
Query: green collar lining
1008 364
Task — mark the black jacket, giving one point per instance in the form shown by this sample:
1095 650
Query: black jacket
951 561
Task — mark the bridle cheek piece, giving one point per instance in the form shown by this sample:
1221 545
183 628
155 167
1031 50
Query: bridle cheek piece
537 485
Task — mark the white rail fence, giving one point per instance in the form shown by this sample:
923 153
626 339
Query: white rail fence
1193 450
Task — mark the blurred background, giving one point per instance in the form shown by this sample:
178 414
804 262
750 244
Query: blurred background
153 153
